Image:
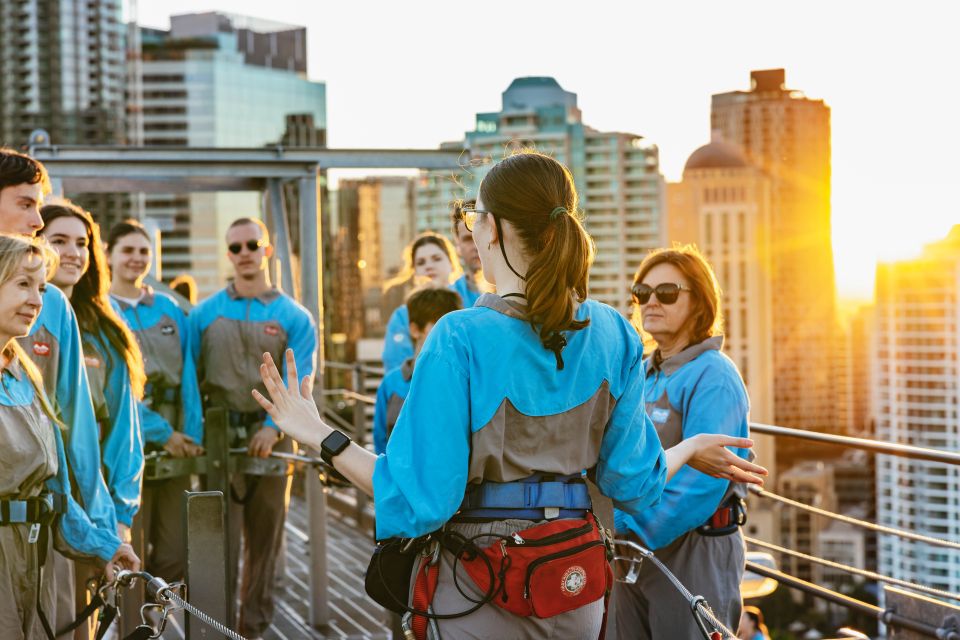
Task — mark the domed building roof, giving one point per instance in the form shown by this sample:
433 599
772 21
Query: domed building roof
716 155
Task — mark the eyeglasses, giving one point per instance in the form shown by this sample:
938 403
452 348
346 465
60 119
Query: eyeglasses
667 292
252 245
469 216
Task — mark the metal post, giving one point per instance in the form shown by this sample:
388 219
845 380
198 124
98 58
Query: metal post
359 433
205 518
281 235
311 284
217 436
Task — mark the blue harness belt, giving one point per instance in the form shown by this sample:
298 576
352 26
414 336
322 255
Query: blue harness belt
532 498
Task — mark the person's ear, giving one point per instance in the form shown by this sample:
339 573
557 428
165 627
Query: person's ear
415 332
268 251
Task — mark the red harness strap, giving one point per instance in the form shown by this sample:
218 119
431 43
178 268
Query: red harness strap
423 590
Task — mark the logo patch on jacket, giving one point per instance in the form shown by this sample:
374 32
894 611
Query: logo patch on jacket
271 330
167 329
41 349
91 361
660 415
573 581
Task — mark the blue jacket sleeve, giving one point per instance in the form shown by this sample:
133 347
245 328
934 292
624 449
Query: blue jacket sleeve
632 468
418 484
380 420
123 447
397 345
691 497
76 408
191 405
302 338
75 527
156 429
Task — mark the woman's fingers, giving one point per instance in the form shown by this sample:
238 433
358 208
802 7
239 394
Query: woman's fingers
739 475
747 466
266 404
306 388
292 379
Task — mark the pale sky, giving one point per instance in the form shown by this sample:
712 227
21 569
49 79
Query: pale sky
414 74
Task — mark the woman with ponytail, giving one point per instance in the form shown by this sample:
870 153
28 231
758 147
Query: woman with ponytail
110 351
513 404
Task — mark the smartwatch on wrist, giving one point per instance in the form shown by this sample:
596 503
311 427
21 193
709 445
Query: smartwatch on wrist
333 445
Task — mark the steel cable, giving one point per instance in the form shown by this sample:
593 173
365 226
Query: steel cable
916 537
854 570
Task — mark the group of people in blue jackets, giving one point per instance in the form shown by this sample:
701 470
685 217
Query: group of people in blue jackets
99 369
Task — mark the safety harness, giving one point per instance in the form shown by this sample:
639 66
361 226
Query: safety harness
40 512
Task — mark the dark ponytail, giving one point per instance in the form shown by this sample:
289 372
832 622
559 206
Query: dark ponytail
536 194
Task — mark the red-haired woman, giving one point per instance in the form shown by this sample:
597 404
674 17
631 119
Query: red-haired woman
691 388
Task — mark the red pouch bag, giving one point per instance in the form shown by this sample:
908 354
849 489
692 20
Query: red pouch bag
546 570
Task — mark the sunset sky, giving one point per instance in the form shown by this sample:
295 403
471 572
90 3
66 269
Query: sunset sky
413 74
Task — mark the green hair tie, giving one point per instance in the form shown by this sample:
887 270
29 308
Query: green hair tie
558 211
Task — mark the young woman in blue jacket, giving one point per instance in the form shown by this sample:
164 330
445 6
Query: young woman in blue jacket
537 384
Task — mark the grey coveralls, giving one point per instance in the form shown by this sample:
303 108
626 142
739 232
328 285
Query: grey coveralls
27 458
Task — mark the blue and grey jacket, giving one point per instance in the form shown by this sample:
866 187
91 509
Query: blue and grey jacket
397 345
698 390
391 393
54 345
469 294
229 334
488 403
34 457
172 399
121 438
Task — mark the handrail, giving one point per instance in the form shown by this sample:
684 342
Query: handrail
909 535
350 394
351 366
886 616
886 448
863 573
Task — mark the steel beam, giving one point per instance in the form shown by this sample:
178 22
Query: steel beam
315 156
281 235
311 287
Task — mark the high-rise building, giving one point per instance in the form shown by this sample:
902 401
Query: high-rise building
211 82
723 205
787 135
380 210
811 483
62 69
916 397
617 176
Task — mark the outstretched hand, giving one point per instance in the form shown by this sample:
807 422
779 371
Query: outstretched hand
711 456
291 405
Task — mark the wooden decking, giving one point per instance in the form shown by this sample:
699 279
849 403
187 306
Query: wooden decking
352 613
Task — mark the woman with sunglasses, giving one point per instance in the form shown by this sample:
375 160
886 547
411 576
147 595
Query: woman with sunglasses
171 409
691 388
429 261
512 401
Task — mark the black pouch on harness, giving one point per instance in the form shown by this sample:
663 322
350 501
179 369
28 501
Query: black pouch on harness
388 575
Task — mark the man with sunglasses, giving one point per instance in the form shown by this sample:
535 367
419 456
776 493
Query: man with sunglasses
230 332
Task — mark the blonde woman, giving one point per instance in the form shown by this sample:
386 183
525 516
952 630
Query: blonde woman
34 482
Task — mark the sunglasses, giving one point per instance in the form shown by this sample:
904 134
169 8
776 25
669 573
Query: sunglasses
667 292
252 245
469 216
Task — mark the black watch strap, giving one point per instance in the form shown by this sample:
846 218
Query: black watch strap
333 445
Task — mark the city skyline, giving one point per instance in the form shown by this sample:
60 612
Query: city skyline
892 115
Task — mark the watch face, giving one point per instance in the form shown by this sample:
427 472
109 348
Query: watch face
334 444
